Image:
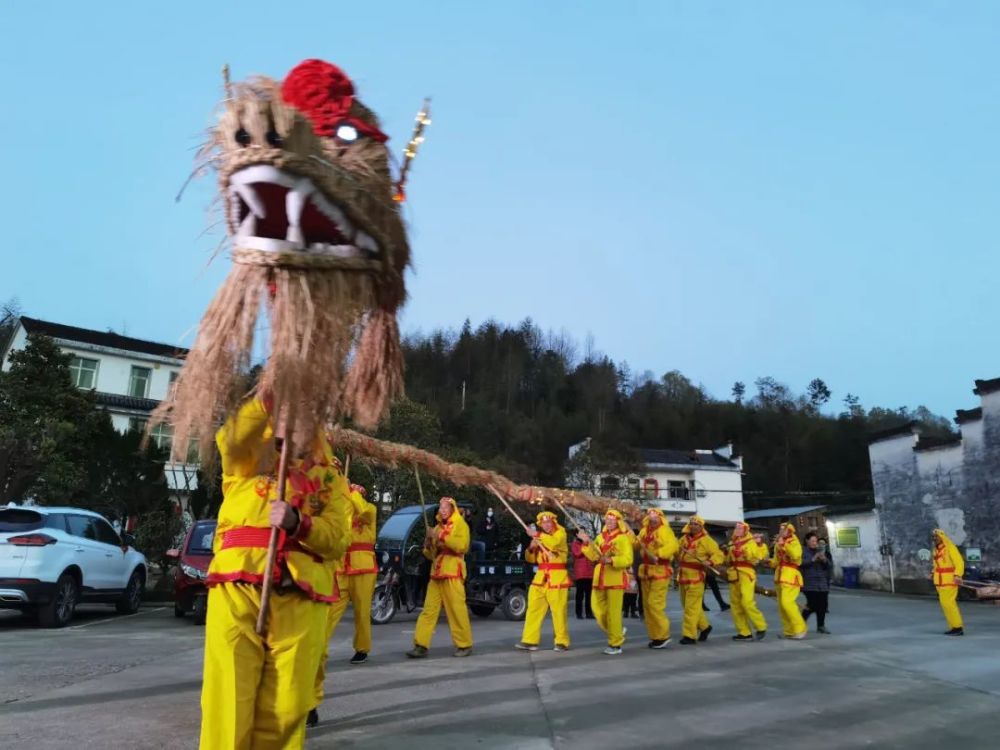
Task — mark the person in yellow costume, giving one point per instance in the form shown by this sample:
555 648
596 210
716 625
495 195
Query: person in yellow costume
657 546
355 577
257 690
612 551
445 545
788 581
697 550
549 588
949 567
744 552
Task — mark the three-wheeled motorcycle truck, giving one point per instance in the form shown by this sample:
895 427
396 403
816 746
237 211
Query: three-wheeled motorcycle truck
404 572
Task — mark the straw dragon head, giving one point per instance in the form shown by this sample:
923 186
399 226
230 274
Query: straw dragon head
319 248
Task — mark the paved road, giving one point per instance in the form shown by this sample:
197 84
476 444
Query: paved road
886 678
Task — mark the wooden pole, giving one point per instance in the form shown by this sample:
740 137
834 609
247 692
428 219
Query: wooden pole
565 513
423 505
272 547
507 506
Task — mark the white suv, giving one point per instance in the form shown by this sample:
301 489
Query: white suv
51 559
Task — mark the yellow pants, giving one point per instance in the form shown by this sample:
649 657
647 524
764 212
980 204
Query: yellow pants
654 608
744 606
791 617
948 596
336 611
360 589
257 691
607 607
540 600
692 597
451 593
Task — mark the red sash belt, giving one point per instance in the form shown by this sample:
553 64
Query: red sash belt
944 570
259 538
552 566
361 547
693 566
788 565
655 560
743 565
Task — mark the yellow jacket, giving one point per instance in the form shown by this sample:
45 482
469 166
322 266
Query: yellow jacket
315 487
551 559
451 542
786 560
618 547
694 551
742 557
657 548
361 553
948 562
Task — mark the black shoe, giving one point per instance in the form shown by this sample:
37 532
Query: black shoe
579 617
703 635
742 637
659 643
685 641
360 657
312 719
761 635
806 613
822 629
726 608
704 608
591 617
956 631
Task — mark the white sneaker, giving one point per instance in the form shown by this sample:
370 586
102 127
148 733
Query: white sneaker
613 650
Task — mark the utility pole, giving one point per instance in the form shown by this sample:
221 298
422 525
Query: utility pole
463 395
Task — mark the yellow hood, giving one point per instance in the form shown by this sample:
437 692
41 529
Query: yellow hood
454 509
547 514
657 511
617 514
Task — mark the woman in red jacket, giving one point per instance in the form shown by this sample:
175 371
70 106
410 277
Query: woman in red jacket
583 578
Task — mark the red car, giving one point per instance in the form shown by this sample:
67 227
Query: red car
190 594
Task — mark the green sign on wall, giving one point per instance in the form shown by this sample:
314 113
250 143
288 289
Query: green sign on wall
849 536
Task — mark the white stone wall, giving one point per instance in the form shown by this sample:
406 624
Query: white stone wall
874 569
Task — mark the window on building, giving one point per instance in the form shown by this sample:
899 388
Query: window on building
137 424
162 436
610 483
83 372
650 488
677 489
138 383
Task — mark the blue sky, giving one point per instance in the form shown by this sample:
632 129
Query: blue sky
731 189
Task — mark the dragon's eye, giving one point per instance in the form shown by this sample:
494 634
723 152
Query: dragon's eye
242 137
274 138
347 133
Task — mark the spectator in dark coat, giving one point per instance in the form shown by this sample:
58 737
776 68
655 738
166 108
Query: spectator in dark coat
816 568
488 532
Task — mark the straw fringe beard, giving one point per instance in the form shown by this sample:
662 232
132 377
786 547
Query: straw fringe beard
316 320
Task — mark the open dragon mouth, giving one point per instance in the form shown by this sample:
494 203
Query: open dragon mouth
276 211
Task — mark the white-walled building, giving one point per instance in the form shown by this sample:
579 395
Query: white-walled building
708 483
129 377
